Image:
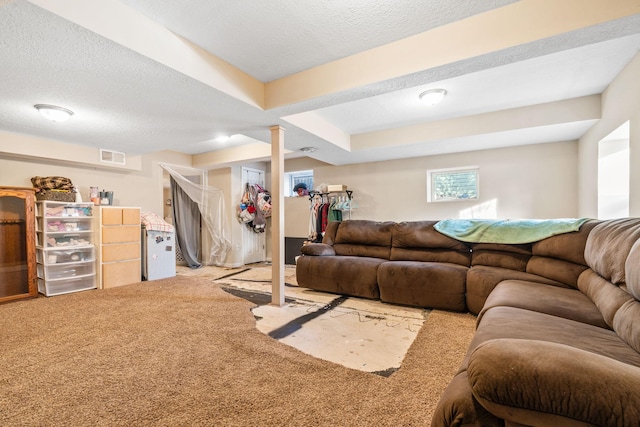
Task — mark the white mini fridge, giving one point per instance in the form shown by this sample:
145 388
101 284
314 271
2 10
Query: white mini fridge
158 254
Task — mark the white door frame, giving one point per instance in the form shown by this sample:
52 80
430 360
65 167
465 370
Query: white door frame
253 244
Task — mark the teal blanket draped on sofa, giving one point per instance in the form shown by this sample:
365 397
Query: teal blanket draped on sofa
511 231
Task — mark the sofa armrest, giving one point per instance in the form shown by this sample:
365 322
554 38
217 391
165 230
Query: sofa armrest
317 249
542 383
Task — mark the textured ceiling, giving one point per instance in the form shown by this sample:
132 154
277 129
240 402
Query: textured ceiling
128 97
272 39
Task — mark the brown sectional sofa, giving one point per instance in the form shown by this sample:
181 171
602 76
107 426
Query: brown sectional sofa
558 327
405 263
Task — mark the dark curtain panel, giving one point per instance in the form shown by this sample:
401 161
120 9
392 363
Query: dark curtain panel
187 224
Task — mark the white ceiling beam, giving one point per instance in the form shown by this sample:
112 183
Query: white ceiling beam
255 151
317 125
519 23
553 113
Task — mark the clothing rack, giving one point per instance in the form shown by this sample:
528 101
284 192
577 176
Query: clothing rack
314 193
323 210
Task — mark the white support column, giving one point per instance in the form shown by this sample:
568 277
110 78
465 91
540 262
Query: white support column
277 215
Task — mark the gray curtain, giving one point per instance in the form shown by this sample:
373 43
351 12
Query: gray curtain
187 219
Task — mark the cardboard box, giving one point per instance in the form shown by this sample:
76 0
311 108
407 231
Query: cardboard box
336 188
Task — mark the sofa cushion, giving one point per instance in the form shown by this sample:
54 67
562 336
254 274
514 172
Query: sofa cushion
423 284
566 246
508 260
317 249
421 234
430 255
522 249
419 241
632 270
626 323
518 323
608 245
512 257
482 279
364 238
543 383
346 275
627 319
566 272
562 302
457 407
329 236
604 294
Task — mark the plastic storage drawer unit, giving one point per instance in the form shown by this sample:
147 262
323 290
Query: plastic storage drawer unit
65 286
49 256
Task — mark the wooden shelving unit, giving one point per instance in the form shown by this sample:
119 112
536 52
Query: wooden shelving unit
17 244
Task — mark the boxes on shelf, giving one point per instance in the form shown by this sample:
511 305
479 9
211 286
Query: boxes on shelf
336 188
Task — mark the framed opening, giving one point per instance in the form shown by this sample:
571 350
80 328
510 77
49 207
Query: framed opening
291 179
454 184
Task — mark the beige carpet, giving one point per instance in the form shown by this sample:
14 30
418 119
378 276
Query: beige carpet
182 352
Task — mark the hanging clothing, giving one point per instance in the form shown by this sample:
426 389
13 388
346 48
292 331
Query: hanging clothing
335 214
313 215
323 209
325 217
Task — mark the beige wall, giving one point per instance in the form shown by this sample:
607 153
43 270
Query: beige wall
143 188
534 181
620 103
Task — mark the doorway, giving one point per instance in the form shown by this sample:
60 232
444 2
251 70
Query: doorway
187 220
613 174
253 244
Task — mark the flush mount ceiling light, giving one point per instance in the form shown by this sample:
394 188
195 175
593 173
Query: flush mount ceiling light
432 96
222 138
53 112
308 149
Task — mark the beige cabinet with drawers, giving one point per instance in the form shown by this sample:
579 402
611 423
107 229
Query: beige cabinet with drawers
119 246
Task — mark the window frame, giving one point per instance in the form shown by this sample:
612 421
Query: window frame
431 198
289 177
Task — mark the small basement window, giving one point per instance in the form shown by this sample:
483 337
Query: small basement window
291 179
447 185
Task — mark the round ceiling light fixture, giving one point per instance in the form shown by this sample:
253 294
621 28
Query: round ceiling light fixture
53 112
223 138
308 149
432 96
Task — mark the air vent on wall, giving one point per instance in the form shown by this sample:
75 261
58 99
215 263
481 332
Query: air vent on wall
113 157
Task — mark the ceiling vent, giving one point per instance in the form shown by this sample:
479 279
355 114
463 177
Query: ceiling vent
113 157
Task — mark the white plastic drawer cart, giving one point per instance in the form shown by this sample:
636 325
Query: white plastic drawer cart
65 253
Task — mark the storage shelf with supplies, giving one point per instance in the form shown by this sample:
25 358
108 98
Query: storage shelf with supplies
65 254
